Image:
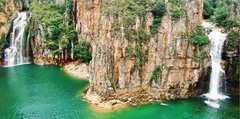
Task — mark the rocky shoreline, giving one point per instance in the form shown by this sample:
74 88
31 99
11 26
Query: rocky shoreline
122 98
115 100
77 69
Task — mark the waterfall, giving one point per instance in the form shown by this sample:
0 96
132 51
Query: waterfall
18 51
218 74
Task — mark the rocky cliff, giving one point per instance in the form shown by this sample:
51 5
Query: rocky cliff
116 74
50 29
231 57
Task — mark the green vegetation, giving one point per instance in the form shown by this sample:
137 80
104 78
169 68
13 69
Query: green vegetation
83 51
220 15
176 14
158 10
3 41
157 73
199 40
198 37
2 10
1 24
230 23
126 12
233 41
130 51
224 13
177 8
59 31
208 9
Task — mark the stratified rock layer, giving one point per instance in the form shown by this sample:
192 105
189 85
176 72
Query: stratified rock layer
110 72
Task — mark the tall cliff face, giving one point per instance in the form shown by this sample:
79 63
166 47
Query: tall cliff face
114 73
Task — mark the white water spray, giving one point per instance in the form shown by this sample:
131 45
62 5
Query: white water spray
18 51
217 41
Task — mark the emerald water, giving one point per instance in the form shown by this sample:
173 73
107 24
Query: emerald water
47 92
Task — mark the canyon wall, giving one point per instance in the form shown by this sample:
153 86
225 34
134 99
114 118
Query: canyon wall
113 75
42 54
231 62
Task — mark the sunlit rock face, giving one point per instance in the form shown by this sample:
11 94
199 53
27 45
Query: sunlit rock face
110 72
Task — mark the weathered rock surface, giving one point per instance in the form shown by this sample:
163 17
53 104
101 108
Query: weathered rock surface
41 54
78 69
232 69
110 72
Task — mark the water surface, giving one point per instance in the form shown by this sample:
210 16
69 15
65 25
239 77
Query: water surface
37 92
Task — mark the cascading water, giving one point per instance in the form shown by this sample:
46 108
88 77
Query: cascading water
217 41
18 51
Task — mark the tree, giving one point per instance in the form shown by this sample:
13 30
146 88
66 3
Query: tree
82 51
220 15
208 9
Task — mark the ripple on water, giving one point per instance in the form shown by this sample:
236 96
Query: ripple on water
46 92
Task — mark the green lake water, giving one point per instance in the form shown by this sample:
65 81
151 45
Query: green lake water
47 92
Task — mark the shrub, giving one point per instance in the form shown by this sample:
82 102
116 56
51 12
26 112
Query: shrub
143 36
208 9
1 24
220 15
201 40
158 10
176 9
82 51
230 23
2 10
156 73
155 24
233 40
130 51
198 37
2 40
176 15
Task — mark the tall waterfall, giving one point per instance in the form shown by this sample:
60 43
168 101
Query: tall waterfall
18 51
217 75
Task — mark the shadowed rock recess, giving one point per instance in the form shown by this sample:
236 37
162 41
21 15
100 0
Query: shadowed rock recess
131 63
